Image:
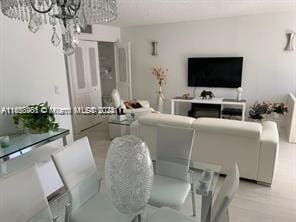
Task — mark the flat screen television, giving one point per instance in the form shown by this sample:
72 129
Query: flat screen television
224 72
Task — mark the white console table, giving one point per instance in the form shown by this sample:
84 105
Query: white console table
216 101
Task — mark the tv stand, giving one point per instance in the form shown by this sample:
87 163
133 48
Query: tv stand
205 110
214 101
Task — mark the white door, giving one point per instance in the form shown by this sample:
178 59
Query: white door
123 73
85 83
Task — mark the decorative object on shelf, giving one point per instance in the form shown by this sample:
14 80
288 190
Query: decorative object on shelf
207 94
154 48
160 74
4 141
290 41
260 110
74 15
239 93
37 119
129 174
186 96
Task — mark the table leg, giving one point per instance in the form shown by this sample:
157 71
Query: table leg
243 112
64 140
193 199
173 107
206 207
3 164
137 218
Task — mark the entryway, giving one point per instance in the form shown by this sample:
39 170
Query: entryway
94 70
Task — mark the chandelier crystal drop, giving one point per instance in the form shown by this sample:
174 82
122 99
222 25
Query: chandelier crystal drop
73 15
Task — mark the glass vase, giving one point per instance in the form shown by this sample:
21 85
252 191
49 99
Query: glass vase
160 100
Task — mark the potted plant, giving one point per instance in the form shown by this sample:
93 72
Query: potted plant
280 108
260 111
37 118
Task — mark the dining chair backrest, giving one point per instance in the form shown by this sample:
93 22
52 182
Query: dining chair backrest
22 197
77 168
173 151
225 195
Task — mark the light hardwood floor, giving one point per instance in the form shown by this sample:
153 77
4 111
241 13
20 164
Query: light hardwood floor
253 203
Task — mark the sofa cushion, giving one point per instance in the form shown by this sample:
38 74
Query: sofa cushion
230 127
155 119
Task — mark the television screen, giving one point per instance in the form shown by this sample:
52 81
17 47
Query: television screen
225 72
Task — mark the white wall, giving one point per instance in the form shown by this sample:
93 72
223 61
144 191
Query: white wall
269 71
102 33
31 67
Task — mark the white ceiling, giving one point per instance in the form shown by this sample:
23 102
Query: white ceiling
146 12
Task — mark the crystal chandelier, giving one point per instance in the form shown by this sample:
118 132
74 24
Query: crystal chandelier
72 14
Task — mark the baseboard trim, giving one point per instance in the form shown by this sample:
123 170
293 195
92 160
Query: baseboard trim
264 184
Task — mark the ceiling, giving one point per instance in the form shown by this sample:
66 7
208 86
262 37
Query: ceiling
147 12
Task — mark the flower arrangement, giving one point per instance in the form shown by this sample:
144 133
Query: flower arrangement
259 109
280 108
160 74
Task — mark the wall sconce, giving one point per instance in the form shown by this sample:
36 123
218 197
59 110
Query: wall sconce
154 48
290 41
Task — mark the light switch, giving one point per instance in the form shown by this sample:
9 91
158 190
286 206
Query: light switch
56 90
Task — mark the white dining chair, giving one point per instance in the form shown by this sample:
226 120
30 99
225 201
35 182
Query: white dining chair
220 209
22 198
76 166
172 180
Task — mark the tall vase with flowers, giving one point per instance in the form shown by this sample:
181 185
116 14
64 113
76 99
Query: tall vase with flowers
160 75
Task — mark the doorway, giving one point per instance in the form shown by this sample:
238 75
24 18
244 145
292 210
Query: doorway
107 71
85 85
94 70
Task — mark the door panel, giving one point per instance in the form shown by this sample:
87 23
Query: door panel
93 67
124 79
79 80
83 121
85 83
95 94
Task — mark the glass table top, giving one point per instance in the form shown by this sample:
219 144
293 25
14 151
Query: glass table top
205 176
126 122
21 141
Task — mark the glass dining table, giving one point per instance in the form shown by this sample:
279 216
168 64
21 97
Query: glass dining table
21 143
205 178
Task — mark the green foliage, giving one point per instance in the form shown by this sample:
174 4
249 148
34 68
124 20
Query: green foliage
39 118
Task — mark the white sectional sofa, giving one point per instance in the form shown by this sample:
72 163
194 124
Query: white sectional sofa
252 145
291 119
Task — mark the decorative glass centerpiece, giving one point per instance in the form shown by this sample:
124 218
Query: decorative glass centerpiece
129 174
